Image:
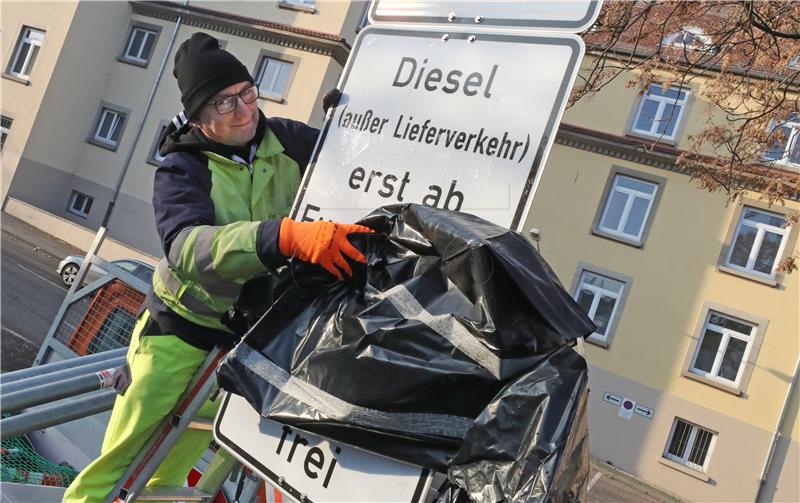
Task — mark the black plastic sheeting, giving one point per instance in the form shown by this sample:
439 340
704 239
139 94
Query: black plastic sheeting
451 349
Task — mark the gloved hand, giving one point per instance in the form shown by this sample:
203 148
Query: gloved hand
121 379
331 99
322 243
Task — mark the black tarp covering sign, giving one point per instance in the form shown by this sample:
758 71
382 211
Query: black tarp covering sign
451 349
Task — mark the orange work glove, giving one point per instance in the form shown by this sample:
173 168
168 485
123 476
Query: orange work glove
321 243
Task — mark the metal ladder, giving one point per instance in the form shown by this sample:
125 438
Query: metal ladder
131 487
37 396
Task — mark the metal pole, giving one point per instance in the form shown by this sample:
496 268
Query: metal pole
777 432
54 377
50 392
56 414
17 375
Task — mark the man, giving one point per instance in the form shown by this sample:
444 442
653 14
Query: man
221 195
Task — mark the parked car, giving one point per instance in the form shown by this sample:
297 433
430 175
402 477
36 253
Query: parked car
68 269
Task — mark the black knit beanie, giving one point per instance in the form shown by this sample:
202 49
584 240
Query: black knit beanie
203 69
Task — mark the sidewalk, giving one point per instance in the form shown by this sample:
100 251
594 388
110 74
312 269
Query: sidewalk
608 484
37 239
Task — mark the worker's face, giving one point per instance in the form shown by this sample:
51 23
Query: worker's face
233 128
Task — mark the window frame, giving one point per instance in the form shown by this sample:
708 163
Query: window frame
749 357
727 334
5 131
680 121
138 25
619 305
705 40
792 142
690 444
151 153
644 232
24 78
262 56
92 138
786 250
82 213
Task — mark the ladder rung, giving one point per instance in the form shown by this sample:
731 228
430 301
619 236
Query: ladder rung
199 424
173 494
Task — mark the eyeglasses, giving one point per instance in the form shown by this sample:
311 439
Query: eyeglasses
227 104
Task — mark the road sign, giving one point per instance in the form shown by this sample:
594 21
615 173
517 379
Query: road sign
643 411
457 121
612 398
310 468
626 408
571 16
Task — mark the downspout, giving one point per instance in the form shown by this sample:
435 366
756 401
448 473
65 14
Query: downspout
101 232
776 433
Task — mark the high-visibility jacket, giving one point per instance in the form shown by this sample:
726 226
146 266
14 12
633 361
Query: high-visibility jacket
218 219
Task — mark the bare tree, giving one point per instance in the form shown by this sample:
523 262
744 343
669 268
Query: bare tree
746 53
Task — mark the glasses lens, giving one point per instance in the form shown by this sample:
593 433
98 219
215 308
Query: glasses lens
250 94
226 105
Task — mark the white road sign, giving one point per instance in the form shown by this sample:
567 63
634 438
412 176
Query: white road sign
572 16
457 121
310 468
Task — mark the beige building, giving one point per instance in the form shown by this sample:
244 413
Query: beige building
697 331
87 87
696 327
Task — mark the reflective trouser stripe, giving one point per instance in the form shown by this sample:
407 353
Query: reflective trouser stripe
333 407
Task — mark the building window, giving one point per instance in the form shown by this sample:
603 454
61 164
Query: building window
758 242
785 138
30 41
627 207
153 156
109 126
80 204
690 445
723 349
599 297
659 112
5 127
304 5
794 63
140 43
689 38
273 78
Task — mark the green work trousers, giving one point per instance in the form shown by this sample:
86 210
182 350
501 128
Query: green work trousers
161 368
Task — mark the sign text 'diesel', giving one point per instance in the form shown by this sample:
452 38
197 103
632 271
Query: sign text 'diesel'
570 16
461 122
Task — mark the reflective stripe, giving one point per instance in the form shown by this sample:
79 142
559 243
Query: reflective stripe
197 306
172 283
173 286
335 408
445 325
176 248
212 282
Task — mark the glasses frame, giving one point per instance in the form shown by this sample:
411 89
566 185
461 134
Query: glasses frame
238 96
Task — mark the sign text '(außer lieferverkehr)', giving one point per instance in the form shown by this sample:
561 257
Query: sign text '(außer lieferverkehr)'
404 127
419 76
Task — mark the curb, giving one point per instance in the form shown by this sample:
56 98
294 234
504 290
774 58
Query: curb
632 481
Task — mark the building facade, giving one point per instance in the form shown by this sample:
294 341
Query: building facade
88 88
697 330
696 326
